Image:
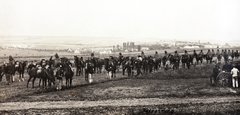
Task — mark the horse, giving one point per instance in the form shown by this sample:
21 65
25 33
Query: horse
175 60
216 71
89 70
111 67
20 67
157 63
68 73
99 65
40 73
236 54
199 58
1 72
145 64
78 65
209 58
185 61
11 69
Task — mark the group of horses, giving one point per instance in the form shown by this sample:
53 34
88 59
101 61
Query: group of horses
46 69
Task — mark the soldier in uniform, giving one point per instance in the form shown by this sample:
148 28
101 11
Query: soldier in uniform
176 57
142 55
233 54
139 66
213 53
219 56
165 58
59 76
209 56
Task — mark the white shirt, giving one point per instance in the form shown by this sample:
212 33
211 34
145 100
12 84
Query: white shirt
234 72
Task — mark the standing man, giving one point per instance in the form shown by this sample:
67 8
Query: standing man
142 55
234 73
219 56
213 53
8 73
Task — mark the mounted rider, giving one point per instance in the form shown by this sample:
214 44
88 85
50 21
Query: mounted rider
143 55
233 54
57 61
209 54
236 54
219 56
156 56
194 54
213 53
176 55
186 53
229 52
200 53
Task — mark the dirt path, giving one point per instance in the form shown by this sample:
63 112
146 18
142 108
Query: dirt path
123 102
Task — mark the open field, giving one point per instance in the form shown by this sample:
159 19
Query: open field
169 85
124 95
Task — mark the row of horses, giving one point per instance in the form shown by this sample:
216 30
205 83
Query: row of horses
46 69
147 64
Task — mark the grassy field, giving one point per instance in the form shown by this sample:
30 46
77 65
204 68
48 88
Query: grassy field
183 83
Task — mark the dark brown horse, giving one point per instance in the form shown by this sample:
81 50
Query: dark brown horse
42 74
20 68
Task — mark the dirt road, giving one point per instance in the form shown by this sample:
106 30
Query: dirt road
121 102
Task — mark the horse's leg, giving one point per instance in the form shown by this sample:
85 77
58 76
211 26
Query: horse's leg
23 76
123 70
43 83
71 82
29 80
33 82
40 80
66 82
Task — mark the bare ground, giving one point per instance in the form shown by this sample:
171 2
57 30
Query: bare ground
165 91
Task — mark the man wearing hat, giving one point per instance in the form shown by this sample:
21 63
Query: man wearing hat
235 74
213 53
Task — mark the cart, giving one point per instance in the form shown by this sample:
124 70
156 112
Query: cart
224 78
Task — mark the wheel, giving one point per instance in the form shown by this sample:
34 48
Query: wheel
222 79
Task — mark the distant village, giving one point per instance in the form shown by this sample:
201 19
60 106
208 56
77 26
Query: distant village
124 47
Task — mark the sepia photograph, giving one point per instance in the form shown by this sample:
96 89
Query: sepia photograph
119 57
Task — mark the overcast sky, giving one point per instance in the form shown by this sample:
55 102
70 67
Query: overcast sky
147 20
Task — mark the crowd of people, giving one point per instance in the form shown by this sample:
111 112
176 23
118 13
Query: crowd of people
142 63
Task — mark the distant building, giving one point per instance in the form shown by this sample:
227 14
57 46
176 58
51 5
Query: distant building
144 48
124 46
132 45
191 47
210 46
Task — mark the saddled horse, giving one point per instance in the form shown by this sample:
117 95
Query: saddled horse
127 65
145 64
213 77
11 66
209 58
236 54
89 70
185 61
68 73
157 63
175 61
20 68
111 67
79 63
199 58
40 73
99 65
1 72
226 57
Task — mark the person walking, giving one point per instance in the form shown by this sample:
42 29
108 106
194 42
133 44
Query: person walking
234 73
